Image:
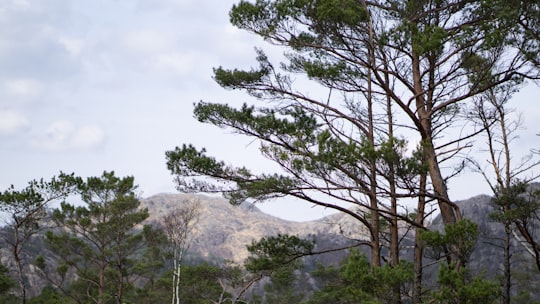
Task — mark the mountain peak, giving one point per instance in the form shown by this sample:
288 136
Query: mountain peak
223 230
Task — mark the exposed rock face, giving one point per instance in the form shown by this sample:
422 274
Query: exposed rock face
223 230
487 257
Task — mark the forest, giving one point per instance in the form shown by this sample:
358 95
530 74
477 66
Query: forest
375 107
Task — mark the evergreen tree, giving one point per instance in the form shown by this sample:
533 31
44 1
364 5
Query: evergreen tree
201 283
456 283
422 60
6 283
99 241
357 281
26 209
50 295
277 258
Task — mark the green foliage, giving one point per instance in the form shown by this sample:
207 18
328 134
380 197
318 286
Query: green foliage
425 58
479 69
153 257
189 162
272 253
517 203
200 284
457 286
278 257
6 282
186 159
99 240
25 211
343 12
266 123
8 299
356 281
431 40
282 288
20 203
251 80
266 17
295 140
458 240
324 71
49 295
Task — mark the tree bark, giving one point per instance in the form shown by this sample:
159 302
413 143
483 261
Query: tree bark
373 202
18 263
418 248
424 106
507 277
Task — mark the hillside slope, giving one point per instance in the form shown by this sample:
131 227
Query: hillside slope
223 230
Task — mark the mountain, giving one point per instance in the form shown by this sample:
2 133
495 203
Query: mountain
487 257
223 230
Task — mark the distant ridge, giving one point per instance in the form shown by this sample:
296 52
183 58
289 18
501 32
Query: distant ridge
224 230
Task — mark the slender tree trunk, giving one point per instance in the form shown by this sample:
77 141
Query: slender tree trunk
373 202
418 248
394 232
423 108
177 268
120 268
178 273
101 287
18 263
394 228
448 213
120 288
175 279
507 277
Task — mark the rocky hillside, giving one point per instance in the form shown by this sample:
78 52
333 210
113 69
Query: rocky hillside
223 230
487 257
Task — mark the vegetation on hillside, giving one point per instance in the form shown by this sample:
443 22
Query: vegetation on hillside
439 71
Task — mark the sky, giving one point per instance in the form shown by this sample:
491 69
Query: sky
89 86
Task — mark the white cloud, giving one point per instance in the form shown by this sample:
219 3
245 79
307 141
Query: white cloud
23 88
73 46
16 4
87 137
12 122
56 136
178 63
64 135
148 41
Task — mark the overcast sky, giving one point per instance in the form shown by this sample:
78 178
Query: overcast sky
88 86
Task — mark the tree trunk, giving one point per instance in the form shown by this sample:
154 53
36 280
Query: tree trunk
418 248
101 287
177 268
423 108
174 280
449 214
373 202
177 287
18 263
507 277
120 288
394 228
